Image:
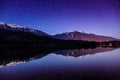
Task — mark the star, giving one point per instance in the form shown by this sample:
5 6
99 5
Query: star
19 9
82 4
17 2
117 4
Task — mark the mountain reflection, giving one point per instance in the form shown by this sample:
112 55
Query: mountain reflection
82 52
14 55
17 55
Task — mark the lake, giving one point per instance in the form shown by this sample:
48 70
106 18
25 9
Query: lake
77 64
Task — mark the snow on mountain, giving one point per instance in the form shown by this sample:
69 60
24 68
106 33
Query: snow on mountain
15 27
73 35
80 35
2 23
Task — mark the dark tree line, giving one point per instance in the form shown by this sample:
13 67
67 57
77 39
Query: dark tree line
28 39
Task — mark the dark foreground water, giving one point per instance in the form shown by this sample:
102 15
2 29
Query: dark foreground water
91 64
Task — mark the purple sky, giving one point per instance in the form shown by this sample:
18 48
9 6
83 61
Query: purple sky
55 16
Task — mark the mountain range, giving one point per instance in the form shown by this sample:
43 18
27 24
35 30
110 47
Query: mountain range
74 35
16 28
79 35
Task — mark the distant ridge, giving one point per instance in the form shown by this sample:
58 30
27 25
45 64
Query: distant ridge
80 35
15 27
73 35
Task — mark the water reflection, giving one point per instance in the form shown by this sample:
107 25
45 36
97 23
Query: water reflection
97 64
82 52
10 55
13 56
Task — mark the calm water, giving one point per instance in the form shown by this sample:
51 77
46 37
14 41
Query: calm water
91 64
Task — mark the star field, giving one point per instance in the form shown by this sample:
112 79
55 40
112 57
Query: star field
55 16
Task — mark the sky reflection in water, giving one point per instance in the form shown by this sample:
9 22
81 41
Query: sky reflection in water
101 63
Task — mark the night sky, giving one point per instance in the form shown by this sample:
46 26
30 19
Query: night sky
55 16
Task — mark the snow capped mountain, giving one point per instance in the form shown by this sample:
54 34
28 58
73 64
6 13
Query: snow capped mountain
15 27
80 35
2 23
73 35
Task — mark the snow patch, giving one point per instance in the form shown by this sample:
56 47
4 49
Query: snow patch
15 26
2 23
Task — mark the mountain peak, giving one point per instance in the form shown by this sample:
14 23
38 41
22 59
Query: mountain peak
81 35
1 23
12 25
76 31
15 27
79 31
